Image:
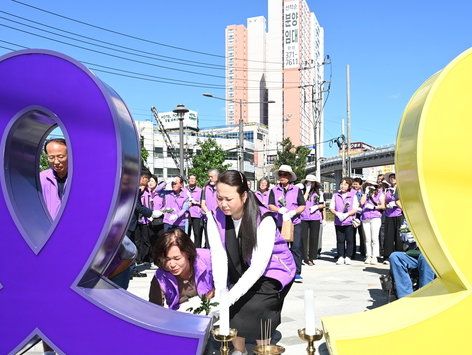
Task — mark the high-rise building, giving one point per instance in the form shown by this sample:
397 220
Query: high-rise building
279 60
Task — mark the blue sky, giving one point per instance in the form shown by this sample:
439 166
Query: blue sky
392 47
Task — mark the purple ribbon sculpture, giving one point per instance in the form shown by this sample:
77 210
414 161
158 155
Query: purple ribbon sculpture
51 283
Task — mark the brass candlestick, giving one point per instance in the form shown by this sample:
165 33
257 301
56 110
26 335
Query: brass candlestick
269 349
224 339
310 350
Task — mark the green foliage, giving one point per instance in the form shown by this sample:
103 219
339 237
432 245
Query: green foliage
205 306
211 156
296 157
144 152
43 162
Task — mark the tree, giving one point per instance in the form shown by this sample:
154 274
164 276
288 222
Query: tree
211 156
144 153
294 156
43 162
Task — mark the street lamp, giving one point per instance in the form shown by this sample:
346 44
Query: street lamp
181 110
241 124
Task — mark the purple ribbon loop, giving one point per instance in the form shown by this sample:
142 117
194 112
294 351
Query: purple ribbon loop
47 267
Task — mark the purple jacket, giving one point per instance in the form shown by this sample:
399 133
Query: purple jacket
195 210
209 196
313 200
396 211
146 200
263 197
179 204
203 279
281 265
288 199
50 192
369 213
344 203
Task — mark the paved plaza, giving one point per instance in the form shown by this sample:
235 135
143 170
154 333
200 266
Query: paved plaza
338 289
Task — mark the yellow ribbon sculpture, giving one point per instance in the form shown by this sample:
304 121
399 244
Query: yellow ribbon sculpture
434 172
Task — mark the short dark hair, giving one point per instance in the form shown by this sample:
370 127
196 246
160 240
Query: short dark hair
146 172
54 140
358 180
174 237
348 181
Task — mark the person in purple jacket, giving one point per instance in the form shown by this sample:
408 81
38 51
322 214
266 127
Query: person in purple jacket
311 218
373 204
176 206
54 180
287 202
343 206
263 191
183 270
393 219
253 268
195 195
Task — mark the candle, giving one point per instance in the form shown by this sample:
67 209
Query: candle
310 324
224 321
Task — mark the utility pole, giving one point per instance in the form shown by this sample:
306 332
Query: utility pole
241 138
343 151
348 116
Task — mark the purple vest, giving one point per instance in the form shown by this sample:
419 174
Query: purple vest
210 197
263 197
179 204
290 197
203 279
281 265
343 203
306 215
395 211
50 192
195 210
368 213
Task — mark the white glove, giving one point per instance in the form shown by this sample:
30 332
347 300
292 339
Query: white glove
169 184
313 209
391 204
173 217
282 210
300 186
156 214
288 215
341 216
369 206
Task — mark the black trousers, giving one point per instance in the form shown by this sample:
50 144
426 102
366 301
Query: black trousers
344 240
310 238
142 239
392 240
197 228
359 231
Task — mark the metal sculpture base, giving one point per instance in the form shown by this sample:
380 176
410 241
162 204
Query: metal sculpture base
224 339
269 349
310 350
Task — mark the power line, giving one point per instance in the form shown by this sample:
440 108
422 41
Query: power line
109 54
133 37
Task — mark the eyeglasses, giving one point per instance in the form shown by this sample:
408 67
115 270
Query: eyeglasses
52 158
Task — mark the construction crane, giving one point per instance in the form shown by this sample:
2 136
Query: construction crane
167 140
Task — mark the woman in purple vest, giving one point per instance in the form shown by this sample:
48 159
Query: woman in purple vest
344 206
263 191
393 218
373 203
311 218
253 268
183 271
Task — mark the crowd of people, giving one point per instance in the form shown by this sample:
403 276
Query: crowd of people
227 242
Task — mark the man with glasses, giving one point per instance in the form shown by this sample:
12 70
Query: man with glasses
176 207
53 180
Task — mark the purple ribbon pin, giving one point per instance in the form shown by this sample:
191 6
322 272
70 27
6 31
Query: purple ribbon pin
51 283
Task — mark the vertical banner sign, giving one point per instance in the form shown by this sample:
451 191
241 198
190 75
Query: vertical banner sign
51 272
291 28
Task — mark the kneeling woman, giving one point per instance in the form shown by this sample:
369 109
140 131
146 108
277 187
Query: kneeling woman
253 268
184 271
